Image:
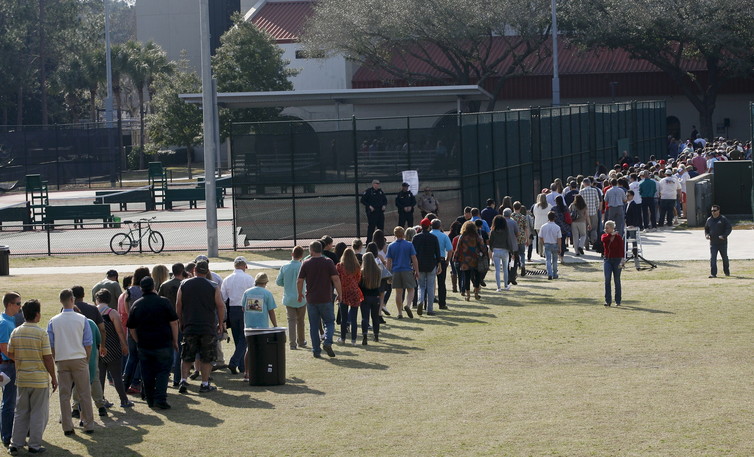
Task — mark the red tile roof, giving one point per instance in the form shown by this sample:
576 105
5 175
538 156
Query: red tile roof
283 20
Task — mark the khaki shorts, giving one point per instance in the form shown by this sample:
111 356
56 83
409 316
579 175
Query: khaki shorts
404 280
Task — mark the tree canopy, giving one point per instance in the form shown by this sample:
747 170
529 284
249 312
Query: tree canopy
465 34
674 35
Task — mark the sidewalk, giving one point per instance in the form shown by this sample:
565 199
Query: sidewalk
661 245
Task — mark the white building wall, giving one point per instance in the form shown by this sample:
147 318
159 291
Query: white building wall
317 74
173 24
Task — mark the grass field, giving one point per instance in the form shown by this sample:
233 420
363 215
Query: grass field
542 370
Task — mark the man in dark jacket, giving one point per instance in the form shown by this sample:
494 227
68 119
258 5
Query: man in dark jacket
374 201
428 255
153 324
717 229
405 202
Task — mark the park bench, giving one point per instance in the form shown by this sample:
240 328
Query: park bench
191 195
16 214
124 198
77 213
223 184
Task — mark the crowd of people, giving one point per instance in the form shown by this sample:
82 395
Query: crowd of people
141 328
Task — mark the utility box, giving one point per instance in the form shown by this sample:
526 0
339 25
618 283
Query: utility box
732 186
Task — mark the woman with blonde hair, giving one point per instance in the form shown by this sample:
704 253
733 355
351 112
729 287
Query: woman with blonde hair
371 279
468 250
159 275
540 211
349 272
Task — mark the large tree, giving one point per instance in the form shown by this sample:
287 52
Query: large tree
674 36
455 41
175 122
249 60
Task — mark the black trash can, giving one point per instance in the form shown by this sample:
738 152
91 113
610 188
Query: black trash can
266 362
4 260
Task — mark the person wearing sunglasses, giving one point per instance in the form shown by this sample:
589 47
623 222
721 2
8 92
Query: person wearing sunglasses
717 229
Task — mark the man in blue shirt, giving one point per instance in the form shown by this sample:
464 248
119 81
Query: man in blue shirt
295 310
12 304
475 216
445 249
402 262
489 212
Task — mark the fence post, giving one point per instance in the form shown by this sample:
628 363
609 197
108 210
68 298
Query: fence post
49 241
478 163
293 182
592 132
462 154
57 156
355 146
536 149
138 223
408 141
634 129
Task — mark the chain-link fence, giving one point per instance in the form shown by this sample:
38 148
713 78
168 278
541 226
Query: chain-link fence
299 180
65 237
63 154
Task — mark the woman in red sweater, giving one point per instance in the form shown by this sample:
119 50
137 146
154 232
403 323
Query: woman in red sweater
613 263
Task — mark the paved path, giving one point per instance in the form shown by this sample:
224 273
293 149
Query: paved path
661 245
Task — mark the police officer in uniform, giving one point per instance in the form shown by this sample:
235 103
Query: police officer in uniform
405 202
375 202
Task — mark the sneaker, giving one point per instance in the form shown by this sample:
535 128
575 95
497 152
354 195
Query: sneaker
303 345
12 450
293 347
162 405
384 310
353 342
617 303
328 350
128 404
233 369
712 276
607 305
176 383
382 320
420 309
183 388
194 375
431 313
76 414
340 341
499 290
549 277
36 450
203 389
408 311
133 391
508 287
443 306
482 283
102 411
364 340
317 355
108 404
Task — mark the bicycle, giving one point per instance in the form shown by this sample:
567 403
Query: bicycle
121 243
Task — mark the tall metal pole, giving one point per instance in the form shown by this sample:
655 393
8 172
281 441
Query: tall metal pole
210 132
555 77
109 65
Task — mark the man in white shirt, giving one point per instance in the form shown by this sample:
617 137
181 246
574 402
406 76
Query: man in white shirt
682 175
71 343
549 236
232 289
669 190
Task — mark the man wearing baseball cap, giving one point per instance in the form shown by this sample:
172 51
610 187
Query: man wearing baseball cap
232 290
428 255
405 202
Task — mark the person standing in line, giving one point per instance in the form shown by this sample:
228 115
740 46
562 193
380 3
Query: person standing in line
219 362
294 310
613 263
371 278
92 313
501 249
71 342
647 191
402 263
489 212
111 284
428 257
153 324
320 276
201 311
169 290
349 272
258 311
670 193
469 246
428 203
522 236
549 237
405 202
716 230
116 346
12 305
513 235
30 347
375 202
593 199
615 198
580 223
540 211
446 248
232 290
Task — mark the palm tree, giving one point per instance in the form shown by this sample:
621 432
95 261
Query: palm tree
144 63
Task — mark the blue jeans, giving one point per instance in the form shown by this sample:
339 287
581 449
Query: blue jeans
427 288
348 317
9 401
237 324
155 371
551 259
132 372
177 360
612 269
501 257
722 248
522 255
325 313
648 212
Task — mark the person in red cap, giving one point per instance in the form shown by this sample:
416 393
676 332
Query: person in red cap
430 263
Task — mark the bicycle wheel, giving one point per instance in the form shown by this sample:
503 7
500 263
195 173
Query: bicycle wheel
121 243
156 242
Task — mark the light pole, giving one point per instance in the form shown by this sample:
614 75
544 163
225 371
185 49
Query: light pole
555 77
211 134
109 65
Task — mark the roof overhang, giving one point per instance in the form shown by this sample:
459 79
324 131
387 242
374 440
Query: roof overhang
391 95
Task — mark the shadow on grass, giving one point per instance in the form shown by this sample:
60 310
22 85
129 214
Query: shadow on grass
116 441
354 363
626 306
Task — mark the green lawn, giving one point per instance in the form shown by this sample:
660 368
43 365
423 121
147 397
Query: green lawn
542 370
